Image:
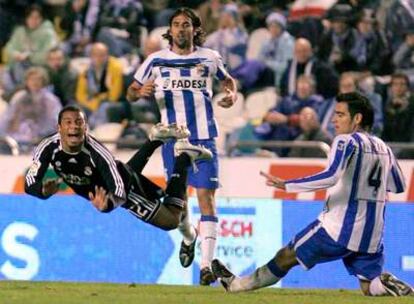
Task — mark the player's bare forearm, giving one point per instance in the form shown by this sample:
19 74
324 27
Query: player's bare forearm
133 93
136 91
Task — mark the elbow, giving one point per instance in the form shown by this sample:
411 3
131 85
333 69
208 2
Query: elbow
26 188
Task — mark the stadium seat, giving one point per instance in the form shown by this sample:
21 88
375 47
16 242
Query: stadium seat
157 33
108 132
256 40
258 103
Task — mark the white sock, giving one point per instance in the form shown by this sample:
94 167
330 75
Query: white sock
187 229
208 237
261 277
376 288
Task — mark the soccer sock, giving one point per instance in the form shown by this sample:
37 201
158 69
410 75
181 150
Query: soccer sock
177 185
187 230
266 275
208 236
376 288
140 158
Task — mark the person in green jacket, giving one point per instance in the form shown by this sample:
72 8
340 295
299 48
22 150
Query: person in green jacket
29 43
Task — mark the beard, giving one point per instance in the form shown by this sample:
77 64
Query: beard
182 42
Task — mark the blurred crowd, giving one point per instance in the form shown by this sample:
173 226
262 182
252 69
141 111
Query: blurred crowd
290 59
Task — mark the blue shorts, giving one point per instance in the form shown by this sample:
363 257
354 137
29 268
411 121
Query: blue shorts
313 245
207 174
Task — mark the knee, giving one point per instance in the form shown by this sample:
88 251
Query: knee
170 226
206 201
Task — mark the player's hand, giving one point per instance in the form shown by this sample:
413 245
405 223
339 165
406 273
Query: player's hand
276 118
274 181
100 199
51 186
148 89
228 100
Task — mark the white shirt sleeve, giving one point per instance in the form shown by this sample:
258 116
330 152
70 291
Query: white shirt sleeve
395 180
221 72
342 150
144 71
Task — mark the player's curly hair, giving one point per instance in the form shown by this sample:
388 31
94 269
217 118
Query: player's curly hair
200 35
358 103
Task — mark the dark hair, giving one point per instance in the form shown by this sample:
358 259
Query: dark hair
401 76
34 8
56 49
70 108
199 37
358 103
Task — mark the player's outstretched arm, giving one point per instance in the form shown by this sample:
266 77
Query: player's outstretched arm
136 91
34 184
274 181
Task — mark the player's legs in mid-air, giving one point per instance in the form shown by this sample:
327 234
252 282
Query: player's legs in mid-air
144 199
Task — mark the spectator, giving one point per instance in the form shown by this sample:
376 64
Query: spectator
118 23
100 85
282 122
311 131
277 52
145 110
29 44
305 63
399 112
348 83
61 76
230 40
399 19
403 58
342 45
210 10
79 23
378 52
33 111
11 13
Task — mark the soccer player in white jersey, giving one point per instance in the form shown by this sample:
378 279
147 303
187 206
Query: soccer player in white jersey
180 77
362 169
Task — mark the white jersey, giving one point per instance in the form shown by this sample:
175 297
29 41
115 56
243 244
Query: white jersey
362 169
184 87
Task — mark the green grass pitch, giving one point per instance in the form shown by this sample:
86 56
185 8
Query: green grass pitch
12 292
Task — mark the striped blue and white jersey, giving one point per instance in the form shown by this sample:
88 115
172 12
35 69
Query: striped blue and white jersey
184 87
361 170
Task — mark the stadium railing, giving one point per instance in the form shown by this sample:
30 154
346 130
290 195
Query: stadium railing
324 147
